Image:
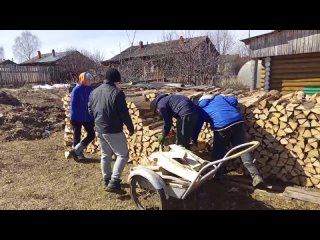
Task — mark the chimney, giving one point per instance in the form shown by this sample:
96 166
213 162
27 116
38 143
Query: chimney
53 53
181 39
141 44
39 54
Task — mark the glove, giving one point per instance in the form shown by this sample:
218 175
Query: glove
161 139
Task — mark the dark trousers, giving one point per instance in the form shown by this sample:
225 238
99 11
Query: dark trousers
89 127
232 136
185 128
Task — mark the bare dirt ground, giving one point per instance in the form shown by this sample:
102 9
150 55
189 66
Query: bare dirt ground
35 175
27 113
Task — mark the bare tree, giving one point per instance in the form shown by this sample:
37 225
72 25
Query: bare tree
190 61
184 60
170 36
242 50
75 63
25 46
131 41
98 56
223 40
1 53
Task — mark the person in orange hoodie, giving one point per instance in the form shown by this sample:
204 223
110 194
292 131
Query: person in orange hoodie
80 117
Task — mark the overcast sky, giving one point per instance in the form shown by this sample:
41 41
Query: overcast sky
107 41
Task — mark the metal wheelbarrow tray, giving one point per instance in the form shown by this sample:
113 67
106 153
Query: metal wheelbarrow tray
175 174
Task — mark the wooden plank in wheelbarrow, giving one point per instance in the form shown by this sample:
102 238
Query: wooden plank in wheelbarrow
193 160
184 171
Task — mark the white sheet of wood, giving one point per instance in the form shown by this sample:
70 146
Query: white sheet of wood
183 171
190 156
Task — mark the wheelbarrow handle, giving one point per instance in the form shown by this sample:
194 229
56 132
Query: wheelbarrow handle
216 164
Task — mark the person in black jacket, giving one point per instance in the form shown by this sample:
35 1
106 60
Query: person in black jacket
183 109
108 106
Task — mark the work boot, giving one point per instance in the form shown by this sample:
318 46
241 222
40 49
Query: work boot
114 186
257 181
76 152
81 157
106 182
72 154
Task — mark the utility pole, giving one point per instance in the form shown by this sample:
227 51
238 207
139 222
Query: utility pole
249 33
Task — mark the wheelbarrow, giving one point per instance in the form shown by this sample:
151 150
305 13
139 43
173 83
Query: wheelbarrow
175 175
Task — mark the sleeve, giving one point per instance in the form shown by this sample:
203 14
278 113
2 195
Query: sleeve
74 101
89 105
167 117
231 100
122 108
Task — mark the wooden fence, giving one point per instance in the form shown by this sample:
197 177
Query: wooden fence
19 75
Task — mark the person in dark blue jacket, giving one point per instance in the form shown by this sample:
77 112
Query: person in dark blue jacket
228 126
183 109
80 117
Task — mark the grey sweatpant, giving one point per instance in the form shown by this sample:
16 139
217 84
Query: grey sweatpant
113 143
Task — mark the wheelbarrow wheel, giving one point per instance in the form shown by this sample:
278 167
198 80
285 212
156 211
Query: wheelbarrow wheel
145 196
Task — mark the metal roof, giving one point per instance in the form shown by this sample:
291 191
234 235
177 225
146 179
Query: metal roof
47 58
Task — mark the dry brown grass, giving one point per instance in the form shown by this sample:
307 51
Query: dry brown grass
35 175
232 83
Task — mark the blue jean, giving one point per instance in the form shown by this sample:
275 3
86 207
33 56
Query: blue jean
234 136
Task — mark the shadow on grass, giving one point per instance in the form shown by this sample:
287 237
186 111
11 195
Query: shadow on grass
216 196
90 160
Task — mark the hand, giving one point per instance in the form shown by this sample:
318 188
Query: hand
131 133
161 139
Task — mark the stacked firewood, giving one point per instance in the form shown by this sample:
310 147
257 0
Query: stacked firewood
289 132
287 127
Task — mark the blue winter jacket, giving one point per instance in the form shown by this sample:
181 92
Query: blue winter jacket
173 106
79 104
220 111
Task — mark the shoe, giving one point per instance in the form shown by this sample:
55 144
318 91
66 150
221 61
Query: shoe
257 181
114 186
106 182
72 154
81 157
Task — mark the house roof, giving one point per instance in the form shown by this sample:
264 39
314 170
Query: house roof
4 61
247 40
47 58
161 48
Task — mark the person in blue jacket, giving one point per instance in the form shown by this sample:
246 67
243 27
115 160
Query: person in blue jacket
80 117
228 126
181 108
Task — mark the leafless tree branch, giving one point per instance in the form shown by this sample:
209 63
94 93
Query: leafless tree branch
1 53
25 46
